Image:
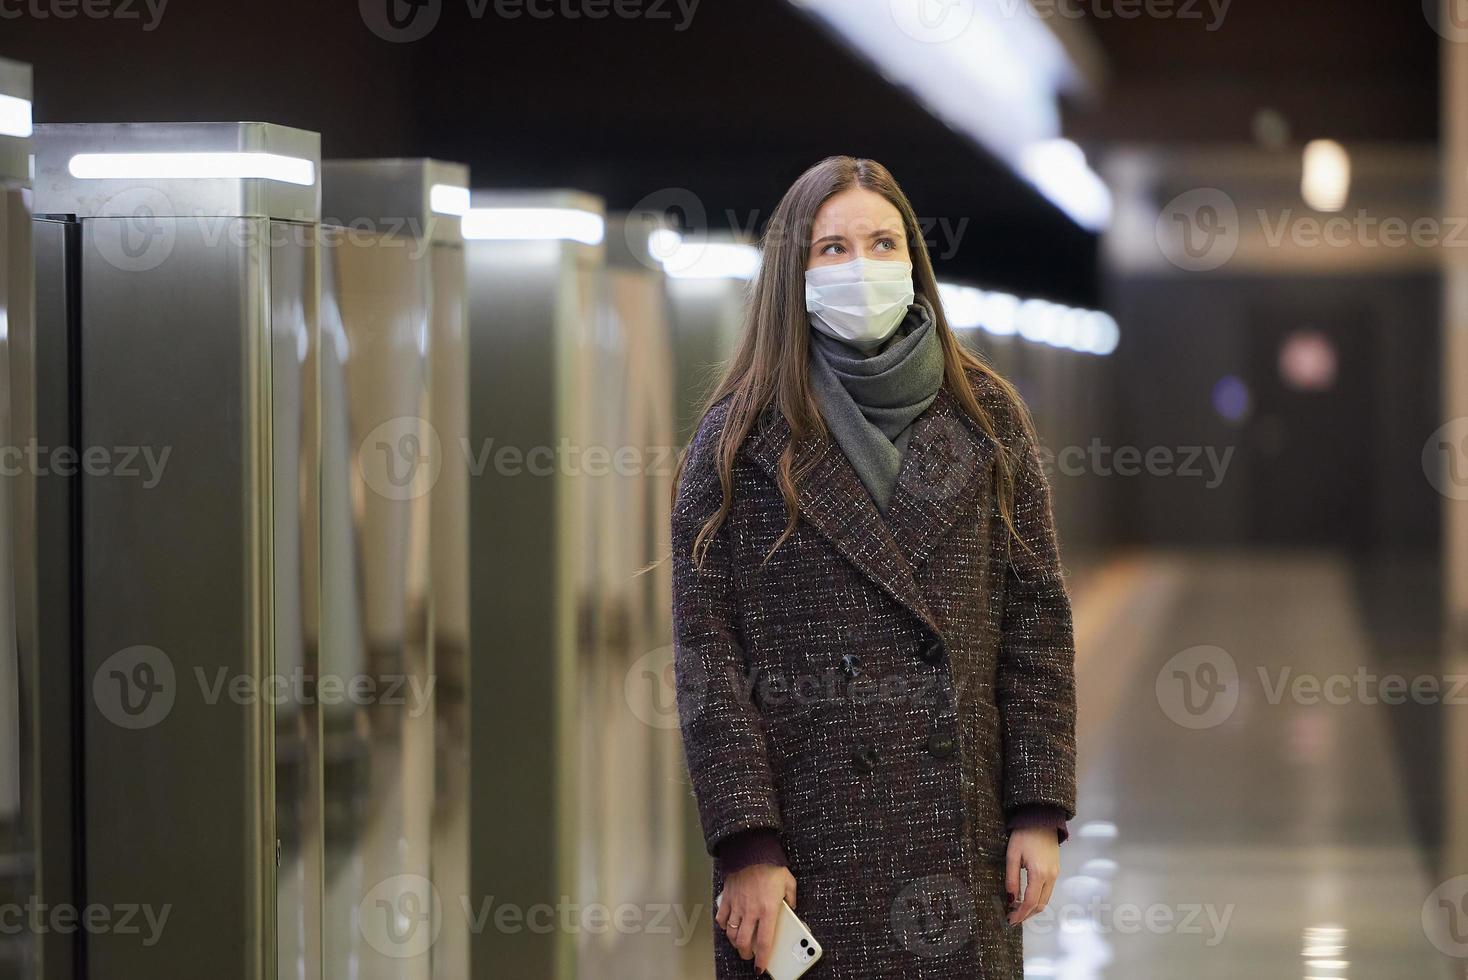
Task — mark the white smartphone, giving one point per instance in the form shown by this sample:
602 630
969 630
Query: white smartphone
796 950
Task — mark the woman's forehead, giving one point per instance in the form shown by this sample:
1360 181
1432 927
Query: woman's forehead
856 213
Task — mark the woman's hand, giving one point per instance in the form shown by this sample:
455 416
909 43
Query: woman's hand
750 908
1037 850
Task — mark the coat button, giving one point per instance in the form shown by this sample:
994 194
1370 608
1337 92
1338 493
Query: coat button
850 664
932 652
940 744
865 757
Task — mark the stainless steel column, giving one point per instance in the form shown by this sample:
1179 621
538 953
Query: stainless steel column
1447 449
394 390
707 314
633 781
534 262
708 304
20 951
187 255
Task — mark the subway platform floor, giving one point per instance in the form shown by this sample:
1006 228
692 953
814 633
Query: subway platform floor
1244 809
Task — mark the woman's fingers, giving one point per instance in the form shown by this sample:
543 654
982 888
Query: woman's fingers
764 940
721 916
1039 883
790 889
743 936
1049 891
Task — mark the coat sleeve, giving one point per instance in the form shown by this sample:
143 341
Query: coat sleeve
1036 674
723 732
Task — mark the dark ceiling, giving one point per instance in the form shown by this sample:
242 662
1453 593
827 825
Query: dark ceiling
729 109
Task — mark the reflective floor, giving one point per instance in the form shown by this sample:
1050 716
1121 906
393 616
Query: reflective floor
1244 811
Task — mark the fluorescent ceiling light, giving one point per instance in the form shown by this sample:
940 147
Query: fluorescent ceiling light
711 260
1058 168
534 224
1036 320
447 199
991 70
1326 180
15 116
193 166
663 242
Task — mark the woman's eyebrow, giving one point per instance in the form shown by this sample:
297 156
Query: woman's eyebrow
828 238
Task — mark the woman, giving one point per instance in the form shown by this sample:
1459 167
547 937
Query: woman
873 642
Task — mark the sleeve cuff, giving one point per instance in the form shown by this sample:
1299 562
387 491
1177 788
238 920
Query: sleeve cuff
758 845
1039 815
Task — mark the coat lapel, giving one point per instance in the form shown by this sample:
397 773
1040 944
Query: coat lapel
946 454
833 500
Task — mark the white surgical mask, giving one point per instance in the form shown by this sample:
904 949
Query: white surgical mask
861 301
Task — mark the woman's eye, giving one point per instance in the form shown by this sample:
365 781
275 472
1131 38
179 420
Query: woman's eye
832 249
887 244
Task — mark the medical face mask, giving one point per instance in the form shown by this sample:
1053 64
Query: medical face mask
861 301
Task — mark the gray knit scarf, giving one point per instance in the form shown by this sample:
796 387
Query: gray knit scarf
870 400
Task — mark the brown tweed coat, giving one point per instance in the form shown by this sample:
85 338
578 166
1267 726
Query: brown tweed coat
881 691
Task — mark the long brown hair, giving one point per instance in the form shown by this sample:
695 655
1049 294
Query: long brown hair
769 365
